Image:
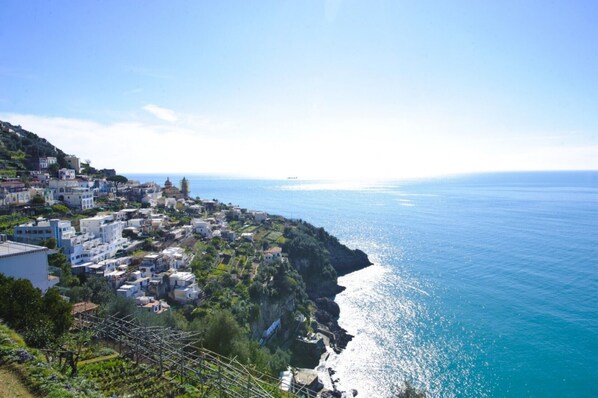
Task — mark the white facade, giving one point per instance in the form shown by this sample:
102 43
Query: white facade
42 229
44 163
128 291
175 257
184 289
60 186
79 248
107 238
202 227
15 198
273 254
103 227
259 216
22 261
78 198
66 174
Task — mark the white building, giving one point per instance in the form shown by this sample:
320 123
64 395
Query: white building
105 228
42 229
248 236
150 304
44 163
66 174
14 197
128 291
107 238
202 227
22 261
78 248
78 198
175 257
259 216
60 186
183 287
273 254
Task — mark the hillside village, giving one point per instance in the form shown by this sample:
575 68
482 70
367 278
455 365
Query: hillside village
132 247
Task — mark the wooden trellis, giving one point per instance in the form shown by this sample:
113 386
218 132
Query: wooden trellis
178 358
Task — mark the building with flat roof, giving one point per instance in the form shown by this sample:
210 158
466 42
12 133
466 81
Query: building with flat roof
23 261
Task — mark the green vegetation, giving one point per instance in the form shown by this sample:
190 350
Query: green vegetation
117 180
308 254
120 377
42 319
28 367
20 150
8 222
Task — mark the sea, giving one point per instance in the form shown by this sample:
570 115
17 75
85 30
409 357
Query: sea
482 285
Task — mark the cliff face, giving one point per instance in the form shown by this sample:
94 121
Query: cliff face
319 258
270 311
345 260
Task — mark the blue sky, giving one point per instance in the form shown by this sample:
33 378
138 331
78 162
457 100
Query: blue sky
331 89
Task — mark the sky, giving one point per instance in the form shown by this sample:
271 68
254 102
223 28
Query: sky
313 89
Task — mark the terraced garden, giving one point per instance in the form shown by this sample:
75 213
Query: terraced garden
123 378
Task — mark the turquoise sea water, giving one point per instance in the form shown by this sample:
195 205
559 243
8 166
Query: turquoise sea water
483 285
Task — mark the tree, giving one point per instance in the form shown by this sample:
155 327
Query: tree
37 200
58 311
117 180
42 320
222 333
101 292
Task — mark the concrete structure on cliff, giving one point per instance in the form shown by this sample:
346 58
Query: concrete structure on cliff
22 261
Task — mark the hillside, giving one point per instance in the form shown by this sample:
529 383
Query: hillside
20 150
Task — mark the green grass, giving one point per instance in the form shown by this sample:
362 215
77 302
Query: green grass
273 236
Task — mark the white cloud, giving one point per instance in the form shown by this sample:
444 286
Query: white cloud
348 149
165 114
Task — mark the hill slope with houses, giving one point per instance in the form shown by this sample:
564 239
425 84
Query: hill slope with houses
253 286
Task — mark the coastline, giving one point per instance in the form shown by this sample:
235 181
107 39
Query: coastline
336 337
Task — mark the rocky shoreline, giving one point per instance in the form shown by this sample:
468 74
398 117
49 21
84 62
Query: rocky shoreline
328 312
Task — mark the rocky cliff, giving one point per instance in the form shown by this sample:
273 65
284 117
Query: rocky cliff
345 260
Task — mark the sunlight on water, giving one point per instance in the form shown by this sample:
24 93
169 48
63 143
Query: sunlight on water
387 313
334 186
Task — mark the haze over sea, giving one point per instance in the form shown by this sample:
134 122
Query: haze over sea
483 285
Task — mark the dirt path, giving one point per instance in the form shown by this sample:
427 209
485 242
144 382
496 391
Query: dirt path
11 386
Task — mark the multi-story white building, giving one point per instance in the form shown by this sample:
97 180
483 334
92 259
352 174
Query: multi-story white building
99 239
14 197
104 227
42 229
66 174
78 198
183 287
175 257
202 227
46 162
22 261
259 216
